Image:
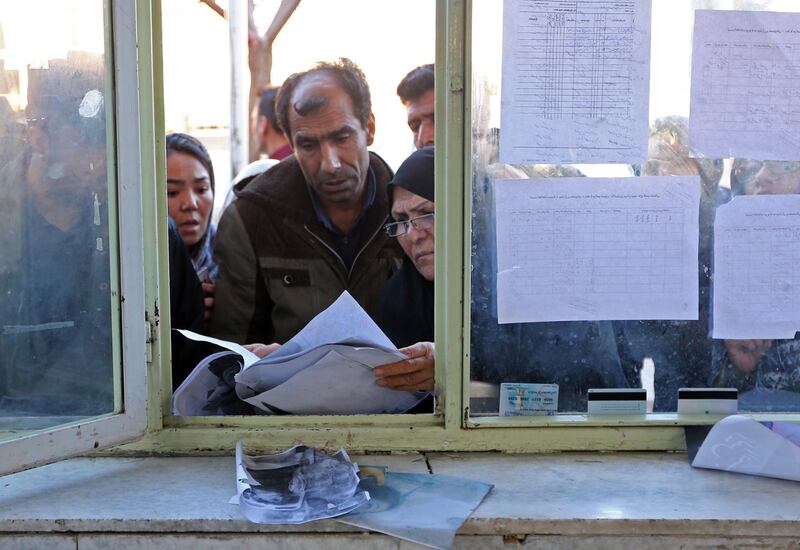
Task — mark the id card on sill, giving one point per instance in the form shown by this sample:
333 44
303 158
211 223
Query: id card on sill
528 399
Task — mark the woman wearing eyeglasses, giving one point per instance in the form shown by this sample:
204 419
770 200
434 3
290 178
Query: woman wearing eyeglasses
405 310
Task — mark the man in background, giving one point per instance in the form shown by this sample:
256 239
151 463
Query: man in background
416 91
269 138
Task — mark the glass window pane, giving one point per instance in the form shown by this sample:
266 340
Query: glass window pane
298 260
56 356
659 355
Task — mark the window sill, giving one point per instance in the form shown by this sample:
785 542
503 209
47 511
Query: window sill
571 496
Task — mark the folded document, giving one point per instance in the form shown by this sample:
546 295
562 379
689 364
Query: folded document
325 369
743 445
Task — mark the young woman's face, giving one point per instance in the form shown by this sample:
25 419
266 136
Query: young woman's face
189 196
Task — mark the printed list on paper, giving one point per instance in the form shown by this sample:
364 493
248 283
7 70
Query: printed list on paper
745 98
589 249
575 84
757 268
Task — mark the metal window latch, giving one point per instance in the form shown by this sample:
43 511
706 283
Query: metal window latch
150 337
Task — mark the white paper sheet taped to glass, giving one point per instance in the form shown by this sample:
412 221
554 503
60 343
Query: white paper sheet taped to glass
745 99
756 257
575 84
591 249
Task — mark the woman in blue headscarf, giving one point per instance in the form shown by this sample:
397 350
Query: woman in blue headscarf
190 202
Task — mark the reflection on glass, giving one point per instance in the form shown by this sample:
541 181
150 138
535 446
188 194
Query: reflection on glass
661 355
680 350
766 372
55 311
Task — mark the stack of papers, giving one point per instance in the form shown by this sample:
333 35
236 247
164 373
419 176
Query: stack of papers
298 485
303 484
325 369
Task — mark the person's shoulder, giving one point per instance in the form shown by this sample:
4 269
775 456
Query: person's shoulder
272 178
383 172
277 186
252 170
245 176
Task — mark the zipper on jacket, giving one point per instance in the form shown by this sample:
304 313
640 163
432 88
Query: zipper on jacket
326 245
366 244
358 254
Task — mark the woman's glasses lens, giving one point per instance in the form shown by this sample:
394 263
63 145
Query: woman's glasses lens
398 229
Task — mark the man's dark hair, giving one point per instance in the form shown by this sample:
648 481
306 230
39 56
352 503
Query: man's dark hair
349 77
266 106
416 83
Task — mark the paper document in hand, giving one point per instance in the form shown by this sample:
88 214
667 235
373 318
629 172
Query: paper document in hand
575 84
343 322
336 384
744 100
248 356
740 444
298 485
590 249
191 397
756 282
265 376
341 346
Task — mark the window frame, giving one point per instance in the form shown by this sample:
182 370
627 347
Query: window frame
450 428
669 424
132 339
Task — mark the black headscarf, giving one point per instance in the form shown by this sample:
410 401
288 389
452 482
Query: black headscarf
405 309
415 174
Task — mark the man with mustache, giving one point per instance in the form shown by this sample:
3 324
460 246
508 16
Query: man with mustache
310 227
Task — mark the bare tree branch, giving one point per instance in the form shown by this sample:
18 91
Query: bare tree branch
285 11
260 54
251 21
216 7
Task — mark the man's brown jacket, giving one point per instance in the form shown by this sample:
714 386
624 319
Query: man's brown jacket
277 263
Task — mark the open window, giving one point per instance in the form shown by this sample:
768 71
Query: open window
470 341
76 335
468 69
338 33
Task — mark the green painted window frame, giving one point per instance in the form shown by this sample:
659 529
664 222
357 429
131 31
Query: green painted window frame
126 72
450 428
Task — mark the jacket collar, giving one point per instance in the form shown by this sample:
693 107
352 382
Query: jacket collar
283 186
